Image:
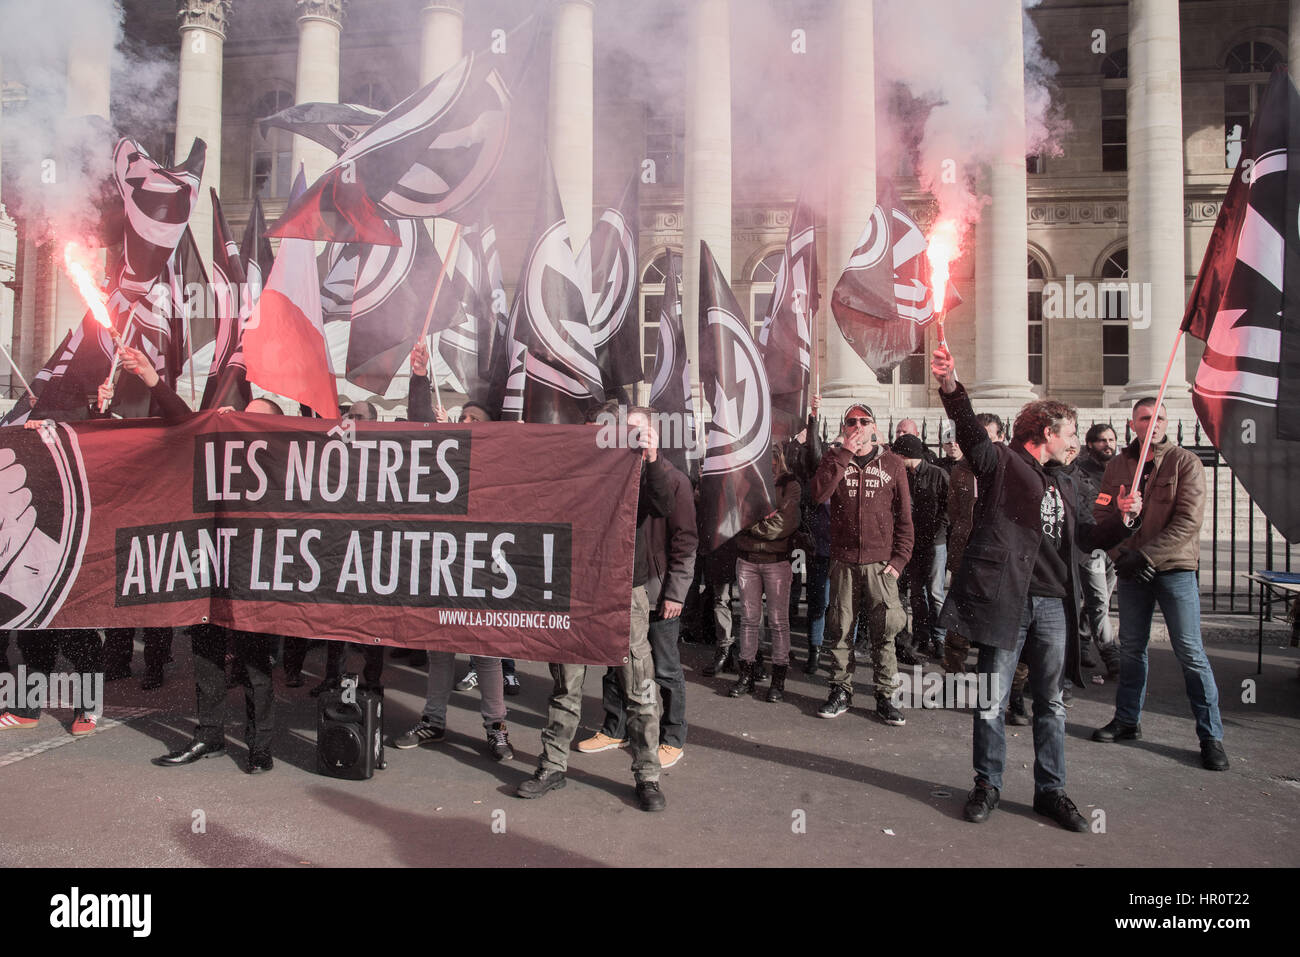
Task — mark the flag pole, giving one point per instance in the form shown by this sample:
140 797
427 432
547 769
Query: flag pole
1160 398
13 365
433 301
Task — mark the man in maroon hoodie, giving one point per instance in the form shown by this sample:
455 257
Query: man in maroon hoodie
871 541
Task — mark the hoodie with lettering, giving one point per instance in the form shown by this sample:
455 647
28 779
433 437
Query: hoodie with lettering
870 506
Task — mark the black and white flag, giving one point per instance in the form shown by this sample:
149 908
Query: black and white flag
1245 306
157 204
786 335
227 382
333 125
736 484
610 258
467 346
670 390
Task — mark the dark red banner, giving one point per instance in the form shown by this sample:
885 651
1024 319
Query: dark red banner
499 539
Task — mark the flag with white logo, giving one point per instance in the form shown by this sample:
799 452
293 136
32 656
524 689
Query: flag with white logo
786 335
1245 306
736 484
227 383
610 258
670 390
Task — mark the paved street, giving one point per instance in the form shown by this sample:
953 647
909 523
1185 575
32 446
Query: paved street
759 784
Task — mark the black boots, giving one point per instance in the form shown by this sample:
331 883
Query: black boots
776 692
744 681
814 659
724 660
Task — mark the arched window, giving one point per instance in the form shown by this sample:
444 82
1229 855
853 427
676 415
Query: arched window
272 166
372 93
1249 65
1114 320
652 297
1036 275
1114 112
762 283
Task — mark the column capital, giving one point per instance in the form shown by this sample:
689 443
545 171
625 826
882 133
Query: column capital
445 6
331 10
210 15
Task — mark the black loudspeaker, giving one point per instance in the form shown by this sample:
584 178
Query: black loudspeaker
349 732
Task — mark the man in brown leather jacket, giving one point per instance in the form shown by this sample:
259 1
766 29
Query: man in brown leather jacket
1158 564
871 542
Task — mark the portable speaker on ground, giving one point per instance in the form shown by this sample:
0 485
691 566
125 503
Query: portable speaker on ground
349 732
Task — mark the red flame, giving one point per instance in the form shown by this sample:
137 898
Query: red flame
944 247
76 261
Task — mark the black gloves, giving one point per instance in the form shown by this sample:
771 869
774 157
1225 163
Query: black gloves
1134 566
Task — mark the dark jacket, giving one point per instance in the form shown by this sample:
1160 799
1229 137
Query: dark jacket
962 492
671 542
875 525
419 399
929 488
655 500
1087 471
772 539
1173 504
989 591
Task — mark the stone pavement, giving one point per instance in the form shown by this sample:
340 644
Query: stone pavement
759 784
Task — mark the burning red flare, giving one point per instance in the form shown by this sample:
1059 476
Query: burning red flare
76 261
944 247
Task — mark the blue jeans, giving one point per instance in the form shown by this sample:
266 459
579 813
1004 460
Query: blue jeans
819 597
1042 638
1180 603
938 590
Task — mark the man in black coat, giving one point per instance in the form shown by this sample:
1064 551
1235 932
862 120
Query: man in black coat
1018 585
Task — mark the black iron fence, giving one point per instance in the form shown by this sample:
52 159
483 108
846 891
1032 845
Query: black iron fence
1236 537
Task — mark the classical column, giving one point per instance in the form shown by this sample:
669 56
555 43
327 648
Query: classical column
442 26
198 101
569 114
88 82
1002 235
319 24
707 186
1155 194
8 264
1293 37
851 190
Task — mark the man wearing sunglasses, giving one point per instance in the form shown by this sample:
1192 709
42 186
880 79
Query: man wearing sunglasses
871 541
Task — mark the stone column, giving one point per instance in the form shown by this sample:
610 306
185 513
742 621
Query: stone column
8 265
569 114
1293 37
707 185
88 82
442 27
1001 368
198 102
851 190
319 24
1155 194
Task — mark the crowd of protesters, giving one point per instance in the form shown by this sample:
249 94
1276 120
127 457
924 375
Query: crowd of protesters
1011 544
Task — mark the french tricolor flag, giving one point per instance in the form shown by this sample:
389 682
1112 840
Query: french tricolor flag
284 338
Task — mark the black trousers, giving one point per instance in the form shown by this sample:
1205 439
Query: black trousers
371 673
41 654
255 653
295 653
119 648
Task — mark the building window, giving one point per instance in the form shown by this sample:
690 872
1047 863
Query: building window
1036 276
371 93
1114 325
272 167
665 136
762 283
652 297
1249 65
1035 164
1114 112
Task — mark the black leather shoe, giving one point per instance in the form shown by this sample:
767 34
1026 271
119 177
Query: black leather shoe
294 680
1016 713
814 660
649 796
152 680
540 783
905 656
1061 809
836 703
1117 731
1213 757
258 761
329 684
717 664
192 752
981 802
